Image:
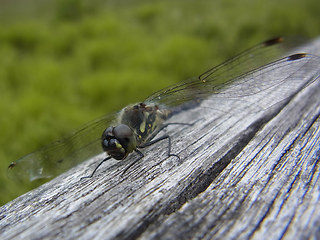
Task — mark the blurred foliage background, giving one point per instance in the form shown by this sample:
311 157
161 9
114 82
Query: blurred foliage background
66 62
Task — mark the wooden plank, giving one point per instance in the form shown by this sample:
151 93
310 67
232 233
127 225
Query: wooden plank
270 190
249 168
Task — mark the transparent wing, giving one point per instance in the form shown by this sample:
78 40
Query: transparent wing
234 78
59 156
231 72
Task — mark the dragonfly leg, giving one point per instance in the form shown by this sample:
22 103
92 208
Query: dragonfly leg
166 136
141 155
93 172
134 162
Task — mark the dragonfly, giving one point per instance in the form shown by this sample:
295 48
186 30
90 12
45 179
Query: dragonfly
137 126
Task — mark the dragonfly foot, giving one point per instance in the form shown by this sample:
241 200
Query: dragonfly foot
174 155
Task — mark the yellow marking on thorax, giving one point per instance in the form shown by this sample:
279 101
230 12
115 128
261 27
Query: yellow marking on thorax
143 126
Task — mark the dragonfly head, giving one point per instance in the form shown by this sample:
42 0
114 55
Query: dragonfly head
118 141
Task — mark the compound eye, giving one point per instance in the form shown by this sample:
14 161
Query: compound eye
112 143
122 131
107 132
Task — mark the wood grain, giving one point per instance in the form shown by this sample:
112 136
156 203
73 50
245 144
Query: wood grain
248 169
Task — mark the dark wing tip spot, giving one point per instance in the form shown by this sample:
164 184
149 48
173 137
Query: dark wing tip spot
12 165
273 41
296 56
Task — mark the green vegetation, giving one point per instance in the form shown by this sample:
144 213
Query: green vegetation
66 62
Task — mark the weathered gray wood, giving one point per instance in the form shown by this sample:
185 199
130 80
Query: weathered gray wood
247 169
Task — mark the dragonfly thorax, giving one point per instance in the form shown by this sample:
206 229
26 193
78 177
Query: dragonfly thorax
118 141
